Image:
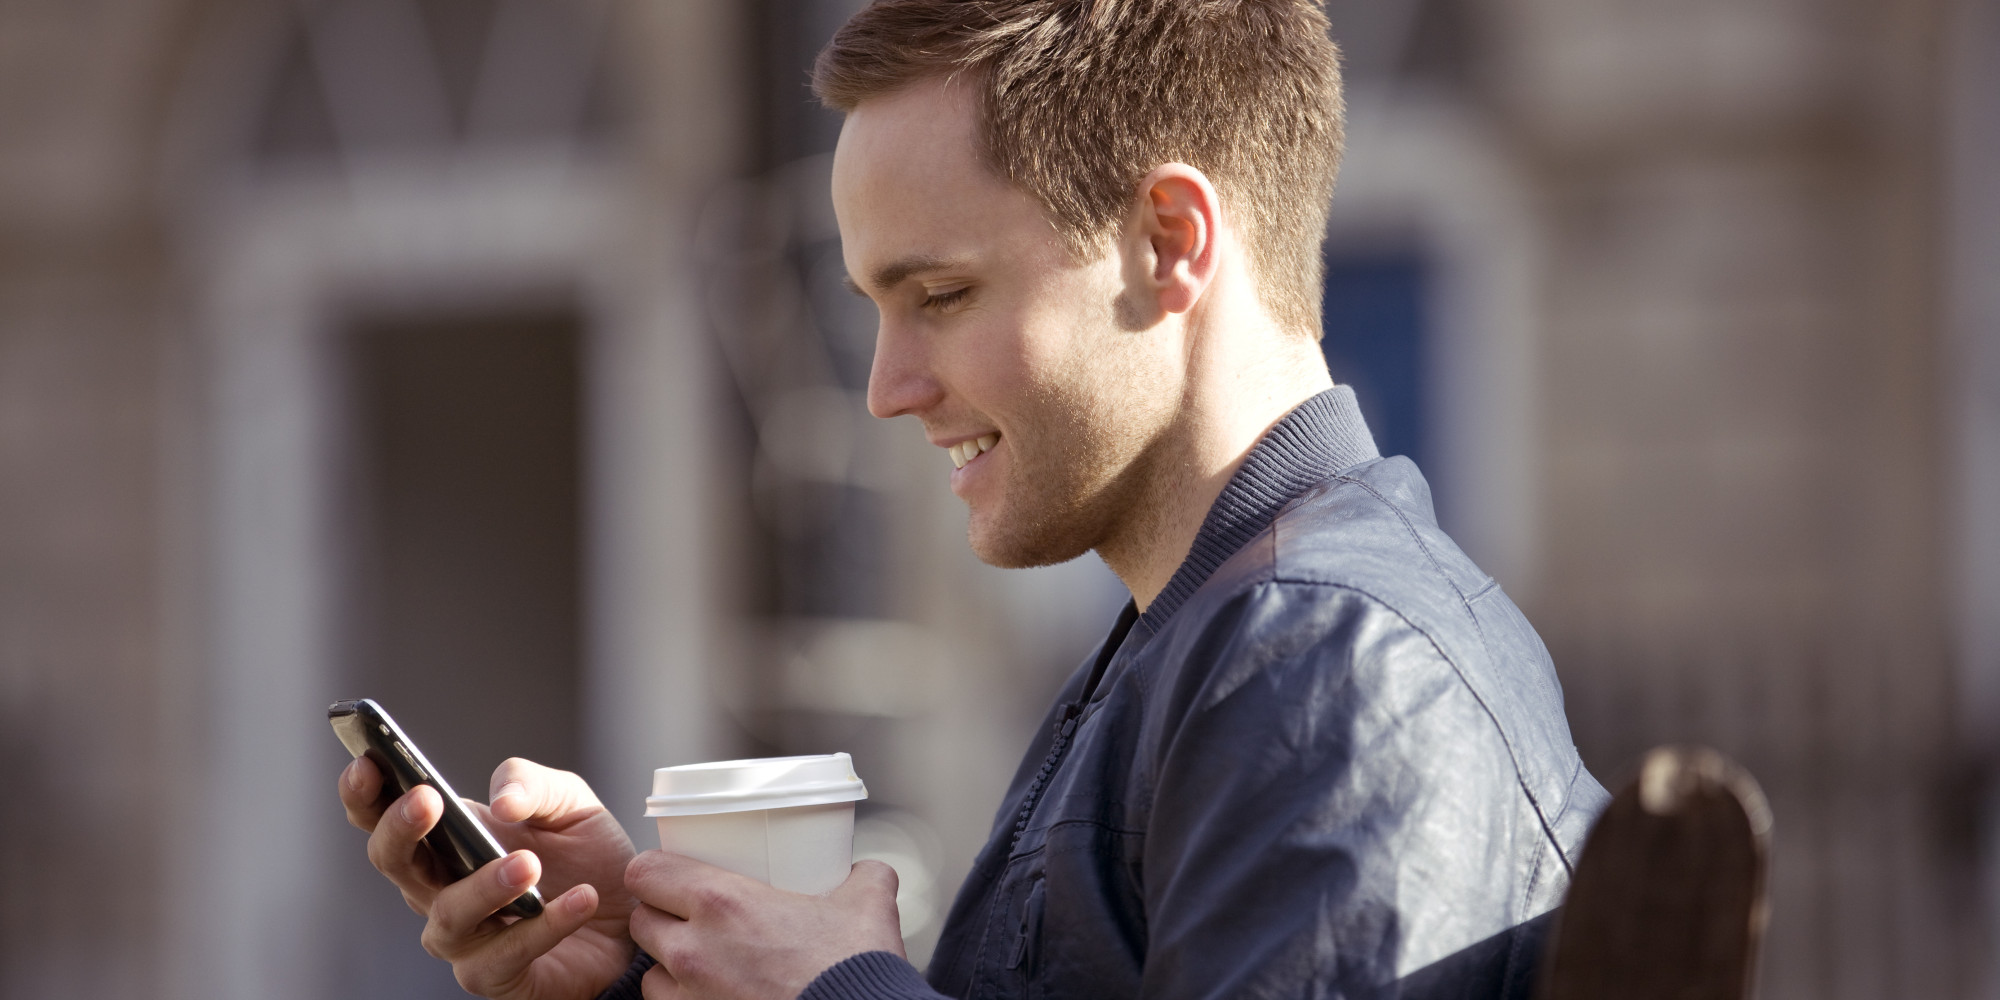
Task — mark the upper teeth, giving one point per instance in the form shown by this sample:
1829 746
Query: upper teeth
966 451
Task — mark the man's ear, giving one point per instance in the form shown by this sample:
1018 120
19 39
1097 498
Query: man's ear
1180 216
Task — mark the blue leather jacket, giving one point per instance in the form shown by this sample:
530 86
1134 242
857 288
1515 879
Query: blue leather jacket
1330 760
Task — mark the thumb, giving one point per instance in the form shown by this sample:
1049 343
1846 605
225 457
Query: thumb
872 878
524 791
867 902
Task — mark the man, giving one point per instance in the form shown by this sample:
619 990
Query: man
1320 753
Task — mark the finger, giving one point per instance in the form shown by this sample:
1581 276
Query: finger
654 930
524 791
396 847
461 908
361 793
666 938
659 984
501 959
684 887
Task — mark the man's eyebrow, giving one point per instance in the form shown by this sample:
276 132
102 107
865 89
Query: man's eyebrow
892 274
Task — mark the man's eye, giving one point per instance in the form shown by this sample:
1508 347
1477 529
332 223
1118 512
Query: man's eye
946 300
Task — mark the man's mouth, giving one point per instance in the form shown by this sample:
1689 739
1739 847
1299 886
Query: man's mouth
966 451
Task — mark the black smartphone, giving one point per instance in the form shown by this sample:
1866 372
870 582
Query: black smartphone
459 840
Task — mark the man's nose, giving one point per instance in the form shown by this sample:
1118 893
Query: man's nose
900 380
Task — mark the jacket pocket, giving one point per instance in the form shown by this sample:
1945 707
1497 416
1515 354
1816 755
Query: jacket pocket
1027 943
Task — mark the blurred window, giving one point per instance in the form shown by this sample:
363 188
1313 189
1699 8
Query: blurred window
372 76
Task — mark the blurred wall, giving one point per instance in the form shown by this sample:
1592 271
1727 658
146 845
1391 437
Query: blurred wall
1709 303
1745 481
84 307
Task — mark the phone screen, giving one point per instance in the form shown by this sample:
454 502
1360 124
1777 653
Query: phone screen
461 843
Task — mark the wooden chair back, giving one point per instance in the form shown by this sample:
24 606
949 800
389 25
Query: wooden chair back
1667 902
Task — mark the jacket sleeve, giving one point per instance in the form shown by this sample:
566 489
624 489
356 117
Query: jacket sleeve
873 975
1331 805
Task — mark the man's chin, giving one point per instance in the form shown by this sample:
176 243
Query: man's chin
1007 543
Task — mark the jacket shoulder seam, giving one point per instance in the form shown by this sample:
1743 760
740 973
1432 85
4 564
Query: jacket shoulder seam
1429 556
1506 740
1569 799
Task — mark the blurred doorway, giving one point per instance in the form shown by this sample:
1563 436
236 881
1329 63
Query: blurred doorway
464 586
433 261
462 599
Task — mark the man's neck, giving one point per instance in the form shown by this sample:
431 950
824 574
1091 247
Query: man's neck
1239 387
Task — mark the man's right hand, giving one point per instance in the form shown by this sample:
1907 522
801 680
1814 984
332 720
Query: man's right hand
580 943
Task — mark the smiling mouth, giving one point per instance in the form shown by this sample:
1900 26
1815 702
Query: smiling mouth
966 451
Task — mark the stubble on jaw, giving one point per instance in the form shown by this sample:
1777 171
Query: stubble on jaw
1093 464
1062 491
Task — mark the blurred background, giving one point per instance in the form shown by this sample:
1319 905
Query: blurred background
489 358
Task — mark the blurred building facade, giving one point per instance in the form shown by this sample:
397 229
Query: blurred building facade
489 357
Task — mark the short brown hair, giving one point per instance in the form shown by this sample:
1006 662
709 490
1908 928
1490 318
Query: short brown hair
1081 98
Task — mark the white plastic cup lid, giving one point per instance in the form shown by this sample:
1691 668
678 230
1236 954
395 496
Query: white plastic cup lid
764 783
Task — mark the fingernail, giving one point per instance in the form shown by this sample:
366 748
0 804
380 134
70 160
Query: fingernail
579 902
509 789
353 777
515 870
409 808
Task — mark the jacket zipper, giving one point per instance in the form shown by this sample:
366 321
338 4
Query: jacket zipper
1065 730
1065 733
1030 929
1066 726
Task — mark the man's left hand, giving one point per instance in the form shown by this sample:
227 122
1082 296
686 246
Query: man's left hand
717 934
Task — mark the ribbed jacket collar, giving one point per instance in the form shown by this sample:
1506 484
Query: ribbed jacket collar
1324 435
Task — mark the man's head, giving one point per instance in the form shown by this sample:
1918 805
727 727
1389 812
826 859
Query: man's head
1078 99
1051 213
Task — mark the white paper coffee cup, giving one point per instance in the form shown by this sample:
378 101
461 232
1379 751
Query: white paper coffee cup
787 821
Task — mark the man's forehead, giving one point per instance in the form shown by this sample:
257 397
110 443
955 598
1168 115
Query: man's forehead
910 191
935 107
921 127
